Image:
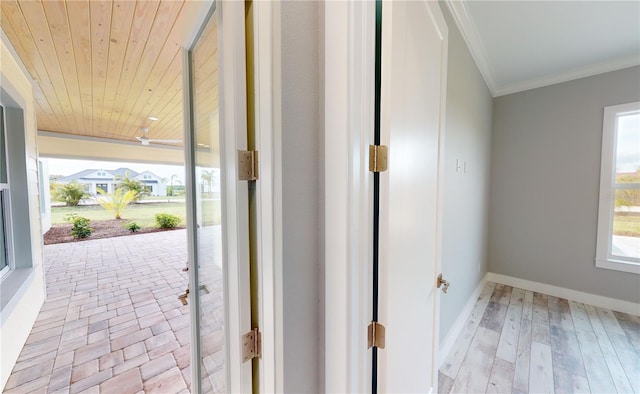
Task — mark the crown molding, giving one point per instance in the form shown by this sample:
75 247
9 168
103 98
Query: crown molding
471 37
582 72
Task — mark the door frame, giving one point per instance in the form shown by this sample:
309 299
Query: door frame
349 39
269 190
268 140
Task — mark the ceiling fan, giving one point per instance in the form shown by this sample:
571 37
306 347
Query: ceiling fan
144 140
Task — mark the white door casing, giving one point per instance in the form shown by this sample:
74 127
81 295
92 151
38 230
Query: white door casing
348 129
267 74
414 53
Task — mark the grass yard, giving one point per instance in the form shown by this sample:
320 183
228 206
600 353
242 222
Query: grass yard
628 225
164 199
143 214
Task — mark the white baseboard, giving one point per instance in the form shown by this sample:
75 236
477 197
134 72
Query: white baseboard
458 325
631 308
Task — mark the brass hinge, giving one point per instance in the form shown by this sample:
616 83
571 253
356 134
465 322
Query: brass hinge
375 335
378 158
251 345
248 165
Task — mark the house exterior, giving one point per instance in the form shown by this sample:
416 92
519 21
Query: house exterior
107 179
22 290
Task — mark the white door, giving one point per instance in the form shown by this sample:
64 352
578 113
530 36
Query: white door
414 50
217 203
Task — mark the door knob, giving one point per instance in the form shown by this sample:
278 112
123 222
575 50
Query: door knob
443 283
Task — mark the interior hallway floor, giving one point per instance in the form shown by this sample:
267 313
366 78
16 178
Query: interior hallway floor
112 322
518 341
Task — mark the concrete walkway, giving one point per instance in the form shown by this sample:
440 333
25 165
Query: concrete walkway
112 322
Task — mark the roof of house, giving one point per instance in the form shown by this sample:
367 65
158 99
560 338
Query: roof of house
84 174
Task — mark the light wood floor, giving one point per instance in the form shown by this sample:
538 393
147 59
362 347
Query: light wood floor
518 341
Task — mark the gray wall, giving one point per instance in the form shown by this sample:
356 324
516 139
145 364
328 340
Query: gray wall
545 174
301 140
466 195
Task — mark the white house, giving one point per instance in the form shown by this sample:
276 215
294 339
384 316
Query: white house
107 180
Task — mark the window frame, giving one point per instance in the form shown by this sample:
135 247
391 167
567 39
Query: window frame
5 200
5 216
105 189
604 258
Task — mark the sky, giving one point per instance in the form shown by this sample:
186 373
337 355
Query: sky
67 167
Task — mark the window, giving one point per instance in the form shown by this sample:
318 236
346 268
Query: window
5 227
618 243
102 186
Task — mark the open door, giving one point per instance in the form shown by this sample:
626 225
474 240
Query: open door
217 204
414 53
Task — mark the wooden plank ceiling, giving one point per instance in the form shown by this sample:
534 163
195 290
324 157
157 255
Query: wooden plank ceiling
103 68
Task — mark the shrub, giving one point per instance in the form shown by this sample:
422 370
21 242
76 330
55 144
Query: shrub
165 220
71 194
80 227
133 227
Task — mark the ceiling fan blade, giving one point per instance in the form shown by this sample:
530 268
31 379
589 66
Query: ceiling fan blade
143 140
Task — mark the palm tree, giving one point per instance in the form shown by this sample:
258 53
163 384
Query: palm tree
207 176
117 201
126 183
174 179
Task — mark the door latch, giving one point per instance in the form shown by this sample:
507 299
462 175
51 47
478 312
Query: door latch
443 283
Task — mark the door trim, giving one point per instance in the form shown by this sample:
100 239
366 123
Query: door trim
268 137
349 38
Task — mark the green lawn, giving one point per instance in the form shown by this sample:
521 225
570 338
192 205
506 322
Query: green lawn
628 225
143 214
164 199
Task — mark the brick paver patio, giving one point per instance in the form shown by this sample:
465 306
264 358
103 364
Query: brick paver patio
112 322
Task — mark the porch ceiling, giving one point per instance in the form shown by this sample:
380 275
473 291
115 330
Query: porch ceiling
102 68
